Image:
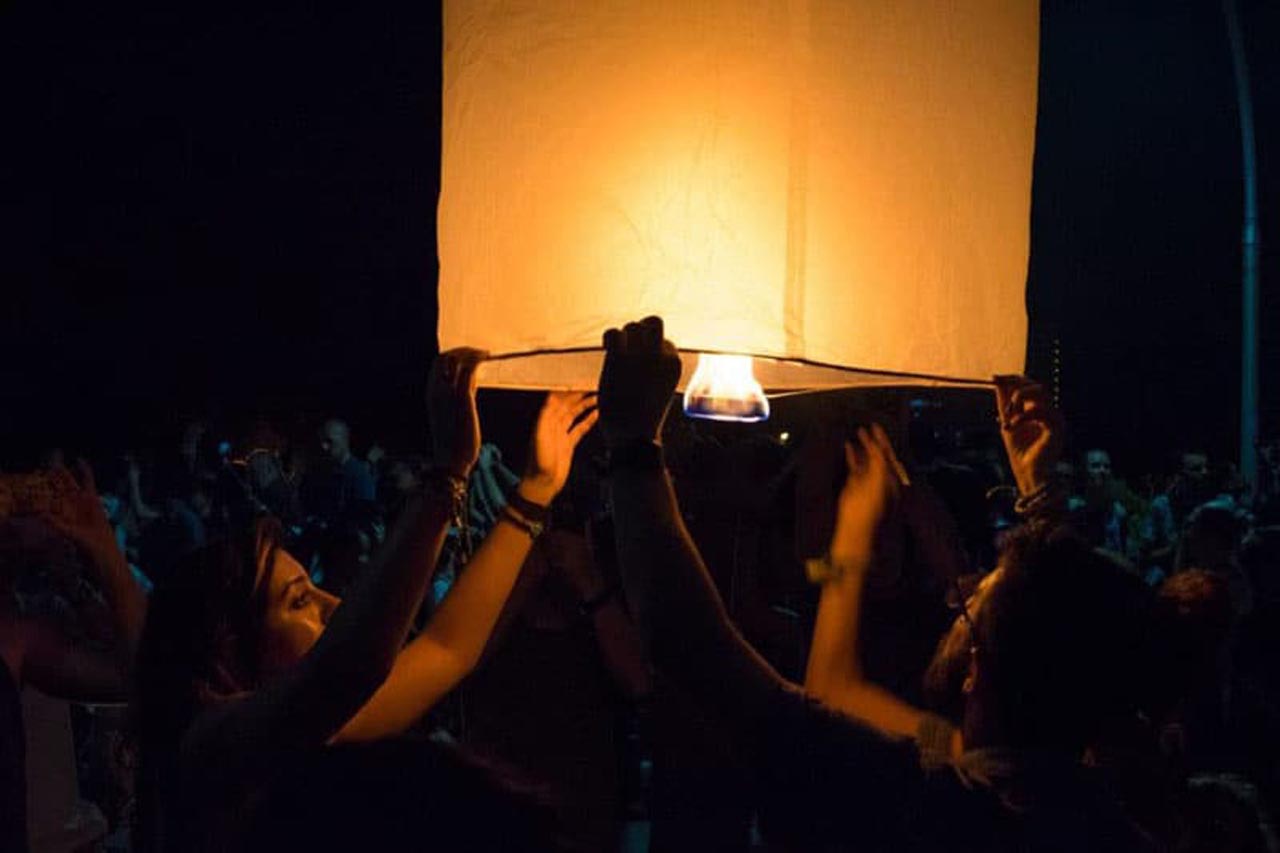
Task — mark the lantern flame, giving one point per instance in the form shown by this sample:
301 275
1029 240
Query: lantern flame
724 388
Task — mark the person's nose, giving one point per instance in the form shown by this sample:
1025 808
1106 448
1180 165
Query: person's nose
328 604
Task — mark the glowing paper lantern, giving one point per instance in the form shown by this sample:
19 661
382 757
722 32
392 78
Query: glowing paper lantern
839 188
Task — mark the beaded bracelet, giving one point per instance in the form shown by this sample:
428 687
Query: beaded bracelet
454 487
1038 502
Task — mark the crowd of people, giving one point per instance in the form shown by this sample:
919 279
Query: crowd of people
890 643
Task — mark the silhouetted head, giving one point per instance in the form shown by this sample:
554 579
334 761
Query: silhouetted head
1098 466
1048 647
335 439
1211 540
1195 466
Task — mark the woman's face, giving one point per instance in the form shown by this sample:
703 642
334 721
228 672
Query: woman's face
296 615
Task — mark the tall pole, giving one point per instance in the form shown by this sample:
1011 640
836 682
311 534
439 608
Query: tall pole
1249 246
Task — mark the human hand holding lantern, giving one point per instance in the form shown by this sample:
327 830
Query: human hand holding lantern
1032 431
641 369
451 409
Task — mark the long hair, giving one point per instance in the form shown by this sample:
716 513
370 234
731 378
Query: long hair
200 645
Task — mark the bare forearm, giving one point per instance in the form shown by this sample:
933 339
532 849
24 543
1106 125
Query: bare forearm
470 611
621 650
443 654
873 705
678 606
834 673
369 627
833 652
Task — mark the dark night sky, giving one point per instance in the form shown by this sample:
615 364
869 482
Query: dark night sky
232 210
1136 220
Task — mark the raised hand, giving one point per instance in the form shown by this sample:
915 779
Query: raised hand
874 479
565 418
451 408
1032 431
640 373
81 518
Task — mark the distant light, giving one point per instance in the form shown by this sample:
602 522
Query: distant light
724 388
784 436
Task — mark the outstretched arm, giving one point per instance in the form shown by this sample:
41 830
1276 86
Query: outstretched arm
801 752
689 631
677 606
577 558
834 675
448 649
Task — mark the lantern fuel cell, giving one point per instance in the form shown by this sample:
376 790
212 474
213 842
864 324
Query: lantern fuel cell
724 388
838 189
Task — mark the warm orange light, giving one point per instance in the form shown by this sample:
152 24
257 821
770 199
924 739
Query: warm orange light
724 388
838 188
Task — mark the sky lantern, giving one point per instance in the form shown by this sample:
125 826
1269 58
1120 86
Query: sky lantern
813 194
